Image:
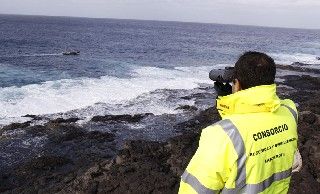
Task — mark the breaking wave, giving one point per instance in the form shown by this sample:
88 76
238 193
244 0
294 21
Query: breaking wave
70 94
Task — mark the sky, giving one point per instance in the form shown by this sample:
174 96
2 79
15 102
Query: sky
276 13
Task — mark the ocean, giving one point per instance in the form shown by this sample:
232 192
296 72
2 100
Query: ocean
125 66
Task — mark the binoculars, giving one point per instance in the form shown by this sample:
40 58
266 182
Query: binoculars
222 75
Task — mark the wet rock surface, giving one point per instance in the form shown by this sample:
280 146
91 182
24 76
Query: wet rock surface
187 107
120 118
77 160
300 67
15 126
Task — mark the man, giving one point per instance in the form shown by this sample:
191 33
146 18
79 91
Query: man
251 150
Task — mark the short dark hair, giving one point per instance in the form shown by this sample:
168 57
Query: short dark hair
254 69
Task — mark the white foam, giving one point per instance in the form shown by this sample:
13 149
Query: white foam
283 58
70 94
8 120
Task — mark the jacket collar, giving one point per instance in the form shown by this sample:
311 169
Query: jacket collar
252 100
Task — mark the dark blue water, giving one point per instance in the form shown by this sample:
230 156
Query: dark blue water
31 46
121 60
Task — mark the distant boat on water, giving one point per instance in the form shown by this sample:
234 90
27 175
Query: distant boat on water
73 52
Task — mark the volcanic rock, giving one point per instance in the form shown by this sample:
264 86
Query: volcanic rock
61 120
16 126
298 68
34 117
120 118
187 108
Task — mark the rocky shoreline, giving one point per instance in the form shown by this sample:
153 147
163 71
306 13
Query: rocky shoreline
92 163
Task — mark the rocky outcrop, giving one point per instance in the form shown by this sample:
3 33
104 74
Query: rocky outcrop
307 96
120 118
15 126
80 161
301 68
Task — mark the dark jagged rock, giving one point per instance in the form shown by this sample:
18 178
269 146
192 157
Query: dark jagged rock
308 117
66 133
99 136
312 104
187 108
305 81
34 117
299 64
61 120
182 149
192 96
6 182
298 68
34 174
69 152
38 130
45 163
200 121
16 126
140 167
120 118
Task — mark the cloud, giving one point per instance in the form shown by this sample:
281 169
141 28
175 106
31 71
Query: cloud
286 13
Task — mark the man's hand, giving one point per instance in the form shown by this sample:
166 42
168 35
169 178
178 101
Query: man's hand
222 89
297 162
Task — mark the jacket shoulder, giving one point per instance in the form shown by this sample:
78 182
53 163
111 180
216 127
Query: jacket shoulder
217 135
289 103
215 153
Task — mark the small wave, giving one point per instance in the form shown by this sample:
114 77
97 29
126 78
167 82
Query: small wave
287 59
32 55
42 55
314 44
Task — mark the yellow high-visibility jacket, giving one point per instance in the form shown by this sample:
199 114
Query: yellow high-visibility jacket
251 150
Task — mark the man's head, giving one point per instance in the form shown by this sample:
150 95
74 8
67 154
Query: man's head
253 69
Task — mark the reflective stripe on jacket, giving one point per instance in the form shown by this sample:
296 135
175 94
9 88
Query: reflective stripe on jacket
250 151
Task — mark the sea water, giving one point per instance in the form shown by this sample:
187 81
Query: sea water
124 66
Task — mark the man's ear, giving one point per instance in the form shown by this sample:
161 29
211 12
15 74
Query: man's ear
236 87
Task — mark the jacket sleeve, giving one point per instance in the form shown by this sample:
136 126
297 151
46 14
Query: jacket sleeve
211 166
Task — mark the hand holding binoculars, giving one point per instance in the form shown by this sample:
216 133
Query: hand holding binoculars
221 78
222 75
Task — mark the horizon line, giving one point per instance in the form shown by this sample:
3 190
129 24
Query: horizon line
159 20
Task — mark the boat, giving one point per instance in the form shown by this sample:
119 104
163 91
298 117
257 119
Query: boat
71 52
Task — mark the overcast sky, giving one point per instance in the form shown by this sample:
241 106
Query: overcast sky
280 13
